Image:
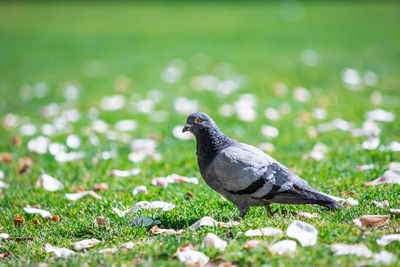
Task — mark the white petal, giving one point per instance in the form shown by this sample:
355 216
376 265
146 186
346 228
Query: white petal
3 184
108 251
268 231
120 213
49 183
127 245
213 241
252 244
76 196
60 252
359 250
126 125
305 233
111 103
4 235
381 204
187 255
379 115
43 213
384 257
38 145
205 221
386 239
73 141
139 189
125 173
388 177
86 243
284 247
269 131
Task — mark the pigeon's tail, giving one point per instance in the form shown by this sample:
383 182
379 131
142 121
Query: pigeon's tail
305 196
333 205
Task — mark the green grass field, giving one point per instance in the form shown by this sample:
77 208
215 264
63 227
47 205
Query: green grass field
91 45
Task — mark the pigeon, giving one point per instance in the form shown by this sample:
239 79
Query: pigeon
244 174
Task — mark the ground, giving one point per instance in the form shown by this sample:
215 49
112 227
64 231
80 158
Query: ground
92 44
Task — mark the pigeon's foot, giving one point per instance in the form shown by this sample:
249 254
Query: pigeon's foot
268 208
243 211
271 213
284 212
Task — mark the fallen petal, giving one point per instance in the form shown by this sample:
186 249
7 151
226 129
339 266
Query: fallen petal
372 220
4 235
384 257
267 231
283 247
307 215
156 230
49 183
86 243
43 213
381 204
305 233
189 256
127 246
125 173
108 251
120 213
213 241
205 221
76 196
388 177
359 250
60 252
386 239
139 189
252 244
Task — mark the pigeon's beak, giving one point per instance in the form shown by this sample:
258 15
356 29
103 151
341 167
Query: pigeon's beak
186 128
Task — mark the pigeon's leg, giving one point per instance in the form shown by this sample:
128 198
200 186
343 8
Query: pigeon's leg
243 211
268 208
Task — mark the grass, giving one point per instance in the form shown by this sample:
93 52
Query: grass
60 43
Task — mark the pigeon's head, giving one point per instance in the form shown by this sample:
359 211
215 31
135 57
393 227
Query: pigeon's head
198 121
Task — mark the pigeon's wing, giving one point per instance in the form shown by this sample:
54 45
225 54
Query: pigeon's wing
245 170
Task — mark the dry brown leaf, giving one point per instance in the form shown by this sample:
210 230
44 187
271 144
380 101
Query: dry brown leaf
18 221
24 164
5 255
55 218
372 220
100 187
15 141
189 194
5 157
101 220
154 229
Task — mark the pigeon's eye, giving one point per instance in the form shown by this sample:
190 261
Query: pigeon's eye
197 120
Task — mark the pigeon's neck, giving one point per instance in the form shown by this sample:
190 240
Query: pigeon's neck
210 142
